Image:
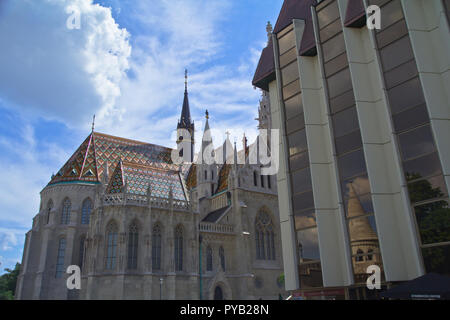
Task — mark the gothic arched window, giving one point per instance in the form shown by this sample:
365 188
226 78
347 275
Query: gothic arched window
60 258
222 258
156 247
49 209
86 211
111 246
65 214
133 237
264 237
179 248
209 259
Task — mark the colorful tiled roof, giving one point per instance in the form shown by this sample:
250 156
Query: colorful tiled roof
222 184
138 178
88 162
191 179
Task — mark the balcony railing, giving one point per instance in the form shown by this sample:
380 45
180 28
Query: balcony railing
216 228
115 199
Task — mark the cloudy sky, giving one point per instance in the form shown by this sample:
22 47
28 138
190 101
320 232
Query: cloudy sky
126 65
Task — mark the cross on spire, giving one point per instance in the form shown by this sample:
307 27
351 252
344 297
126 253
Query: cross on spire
93 123
185 79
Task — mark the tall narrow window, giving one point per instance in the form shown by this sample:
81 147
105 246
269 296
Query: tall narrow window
156 248
86 211
81 255
49 209
206 175
265 237
60 258
111 243
65 214
133 237
179 248
222 258
262 181
255 178
269 183
209 259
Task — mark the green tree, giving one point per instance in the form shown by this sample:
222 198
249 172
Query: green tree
8 283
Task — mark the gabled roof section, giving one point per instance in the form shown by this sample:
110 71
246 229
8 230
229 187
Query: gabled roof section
355 15
191 179
116 183
265 71
291 9
88 161
224 172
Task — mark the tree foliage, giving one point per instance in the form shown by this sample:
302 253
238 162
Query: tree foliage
8 283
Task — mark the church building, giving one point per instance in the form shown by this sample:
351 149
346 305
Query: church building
142 227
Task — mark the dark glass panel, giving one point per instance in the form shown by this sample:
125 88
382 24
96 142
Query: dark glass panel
348 142
358 206
437 259
301 181
410 118
343 101
392 33
396 53
416 142
305 219
333 47
297 142
336 64
425 166
352 164
426 189
328 14
433 221
295 123
400 74
358 187
293 106
406 95
289 73
330 30
288 57
339 83
302 201
391 13
291 89
345 122
299 161
286 42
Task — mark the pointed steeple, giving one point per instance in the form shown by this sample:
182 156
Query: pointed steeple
207 139
185 119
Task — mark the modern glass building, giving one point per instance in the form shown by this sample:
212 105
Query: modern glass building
364 119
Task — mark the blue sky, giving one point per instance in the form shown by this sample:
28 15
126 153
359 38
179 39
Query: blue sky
126 65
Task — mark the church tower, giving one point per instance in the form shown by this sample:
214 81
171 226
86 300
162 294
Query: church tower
185 125
207 168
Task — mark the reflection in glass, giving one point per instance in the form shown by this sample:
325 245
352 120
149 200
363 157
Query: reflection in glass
309 258
437 259
433 221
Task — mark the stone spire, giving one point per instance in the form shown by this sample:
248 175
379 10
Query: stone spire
185 119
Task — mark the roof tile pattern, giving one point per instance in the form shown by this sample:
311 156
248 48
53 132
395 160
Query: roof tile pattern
87 163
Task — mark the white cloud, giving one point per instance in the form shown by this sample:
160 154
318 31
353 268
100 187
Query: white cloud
56 72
